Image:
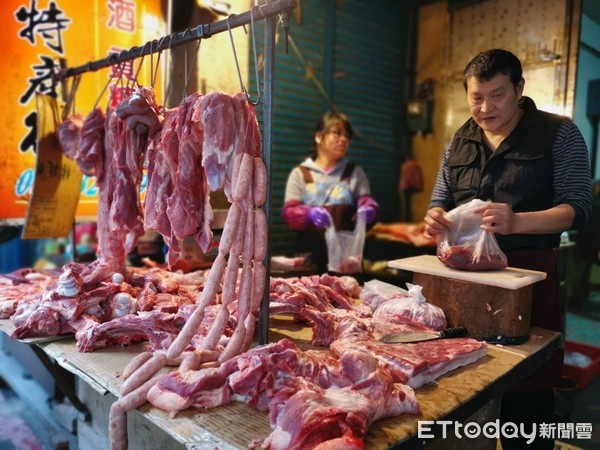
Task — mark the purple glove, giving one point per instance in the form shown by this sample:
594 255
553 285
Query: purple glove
319 217
368 212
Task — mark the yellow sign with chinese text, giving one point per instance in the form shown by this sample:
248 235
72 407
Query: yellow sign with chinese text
37 36
57 182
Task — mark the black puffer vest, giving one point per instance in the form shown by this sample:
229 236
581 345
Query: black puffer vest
519 172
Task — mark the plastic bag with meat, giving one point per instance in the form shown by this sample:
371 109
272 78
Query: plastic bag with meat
413 307
345 248
377 292
465 245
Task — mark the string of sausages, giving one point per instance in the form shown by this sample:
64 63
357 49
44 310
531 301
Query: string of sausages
240 262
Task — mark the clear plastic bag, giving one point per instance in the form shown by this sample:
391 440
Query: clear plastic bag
414 307
345 248
465 245
377 292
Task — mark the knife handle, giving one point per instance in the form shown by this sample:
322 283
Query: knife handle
454 332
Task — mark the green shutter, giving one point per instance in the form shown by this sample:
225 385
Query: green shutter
357 54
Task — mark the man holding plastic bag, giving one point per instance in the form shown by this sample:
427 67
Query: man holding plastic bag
465 245
532 170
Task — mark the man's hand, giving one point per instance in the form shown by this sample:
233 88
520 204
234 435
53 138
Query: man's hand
497 218
435 222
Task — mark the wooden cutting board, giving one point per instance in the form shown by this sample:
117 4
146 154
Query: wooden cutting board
508 278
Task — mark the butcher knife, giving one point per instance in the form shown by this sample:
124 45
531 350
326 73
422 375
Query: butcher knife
419 336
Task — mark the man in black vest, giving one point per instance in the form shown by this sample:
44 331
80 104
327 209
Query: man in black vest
534 168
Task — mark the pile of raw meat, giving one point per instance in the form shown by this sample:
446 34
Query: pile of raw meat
201 324
323 395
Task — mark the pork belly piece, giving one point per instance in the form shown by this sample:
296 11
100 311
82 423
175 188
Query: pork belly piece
412 364
255 377
156 327
311 397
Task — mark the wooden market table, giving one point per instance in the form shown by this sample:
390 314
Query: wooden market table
455 396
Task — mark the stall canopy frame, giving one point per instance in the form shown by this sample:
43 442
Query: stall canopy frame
267 12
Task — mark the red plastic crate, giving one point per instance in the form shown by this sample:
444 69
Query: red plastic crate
582 375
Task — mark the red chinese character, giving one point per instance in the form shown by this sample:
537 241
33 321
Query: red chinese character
122 15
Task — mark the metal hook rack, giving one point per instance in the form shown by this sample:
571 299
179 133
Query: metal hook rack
201 31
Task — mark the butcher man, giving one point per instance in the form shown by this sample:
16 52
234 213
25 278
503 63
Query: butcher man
533 166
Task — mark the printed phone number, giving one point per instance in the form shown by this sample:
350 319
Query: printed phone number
24 184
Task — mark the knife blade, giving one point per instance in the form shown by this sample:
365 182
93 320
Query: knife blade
420 336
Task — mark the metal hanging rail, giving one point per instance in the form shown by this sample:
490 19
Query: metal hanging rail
201 31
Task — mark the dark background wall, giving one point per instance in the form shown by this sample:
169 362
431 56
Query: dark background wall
350 55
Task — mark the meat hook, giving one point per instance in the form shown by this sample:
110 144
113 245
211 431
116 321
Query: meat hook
159 50
70 101
135 77
167 93
237 65
188 71
253 33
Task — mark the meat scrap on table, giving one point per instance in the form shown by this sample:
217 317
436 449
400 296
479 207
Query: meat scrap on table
202 323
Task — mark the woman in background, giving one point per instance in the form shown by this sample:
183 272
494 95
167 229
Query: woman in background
327 182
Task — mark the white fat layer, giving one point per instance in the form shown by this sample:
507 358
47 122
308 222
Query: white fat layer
437 370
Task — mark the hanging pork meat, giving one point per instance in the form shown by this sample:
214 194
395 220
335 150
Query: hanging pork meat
68 133
162 160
